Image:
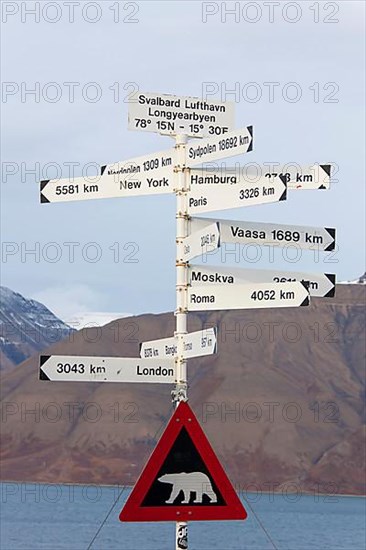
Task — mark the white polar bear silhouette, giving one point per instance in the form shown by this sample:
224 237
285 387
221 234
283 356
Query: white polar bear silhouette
193 482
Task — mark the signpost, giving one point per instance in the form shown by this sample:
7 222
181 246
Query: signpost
106 369
183 479
195 344
303 237
318 284
173 115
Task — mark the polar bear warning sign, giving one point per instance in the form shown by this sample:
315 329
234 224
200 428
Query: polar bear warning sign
183 479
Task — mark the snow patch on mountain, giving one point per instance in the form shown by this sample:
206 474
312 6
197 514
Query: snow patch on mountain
94 319
360 281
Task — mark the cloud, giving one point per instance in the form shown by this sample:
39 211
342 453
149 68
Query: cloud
77 304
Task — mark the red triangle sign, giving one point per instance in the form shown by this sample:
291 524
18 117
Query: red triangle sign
183 480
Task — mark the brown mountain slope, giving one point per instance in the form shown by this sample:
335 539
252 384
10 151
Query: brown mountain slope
26 327
282 401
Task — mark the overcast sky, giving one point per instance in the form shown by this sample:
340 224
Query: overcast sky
182 48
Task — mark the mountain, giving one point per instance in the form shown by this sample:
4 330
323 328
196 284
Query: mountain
282 401
26 327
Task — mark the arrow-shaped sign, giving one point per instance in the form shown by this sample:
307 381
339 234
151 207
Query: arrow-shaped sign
106 369
303 237
316 176
229 145
195 344
147 175
318 284
247 296
214 191
200 242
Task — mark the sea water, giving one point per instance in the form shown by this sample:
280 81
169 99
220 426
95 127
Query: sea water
68 517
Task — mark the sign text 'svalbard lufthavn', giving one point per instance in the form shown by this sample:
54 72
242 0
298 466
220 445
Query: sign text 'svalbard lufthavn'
169 114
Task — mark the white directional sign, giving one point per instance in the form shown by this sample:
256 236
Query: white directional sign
247 296
210 191
318 284
201 241
170 114
147 175
195 344
228 145
303 237
106 369
316 176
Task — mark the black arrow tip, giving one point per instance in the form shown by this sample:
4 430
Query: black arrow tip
330 293
43 185
43 375
332 278
332 233
283 197
43 359
327 168
43 199
306 301
250 130
305 284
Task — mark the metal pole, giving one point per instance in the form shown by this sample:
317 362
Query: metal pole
180 392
